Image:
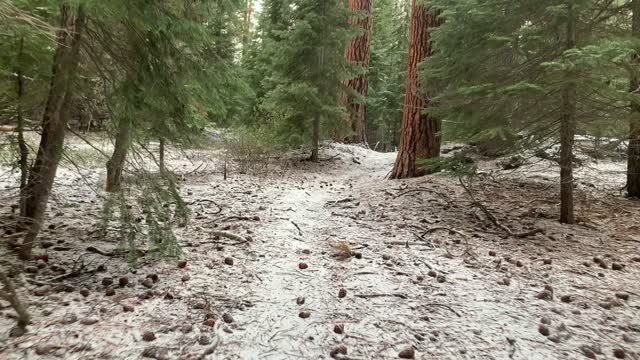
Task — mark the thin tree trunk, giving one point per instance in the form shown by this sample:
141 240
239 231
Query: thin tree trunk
43 172
115 165
633 158
161 162
22 145
420 133
246 27
567 133
316 140
358 52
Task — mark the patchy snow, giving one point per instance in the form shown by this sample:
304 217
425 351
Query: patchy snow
304 213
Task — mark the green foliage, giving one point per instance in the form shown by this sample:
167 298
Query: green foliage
307 69
26 47
173 70
389 46
159 205
500 68
458 164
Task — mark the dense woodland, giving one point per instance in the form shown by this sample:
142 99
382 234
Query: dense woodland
420 95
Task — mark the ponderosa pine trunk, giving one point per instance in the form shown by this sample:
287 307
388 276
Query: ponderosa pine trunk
633 158
54 121
115 165
358 52
567 134
420 133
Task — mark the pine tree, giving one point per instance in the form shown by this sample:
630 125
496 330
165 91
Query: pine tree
26 43
178 73
539 72
420 133
308 68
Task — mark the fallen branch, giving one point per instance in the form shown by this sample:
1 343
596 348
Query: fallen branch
371 296
234 217
8 293
238 238
95 250
444 306
297 227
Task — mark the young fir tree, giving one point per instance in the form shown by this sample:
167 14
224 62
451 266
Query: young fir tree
273 21
25 67
175 72
538 70
308 67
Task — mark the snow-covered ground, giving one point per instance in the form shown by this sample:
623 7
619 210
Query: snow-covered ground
421 268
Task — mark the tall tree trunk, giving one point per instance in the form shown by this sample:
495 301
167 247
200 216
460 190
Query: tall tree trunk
567 133
115 165
420 133
633 159
22 145
54 120
357 52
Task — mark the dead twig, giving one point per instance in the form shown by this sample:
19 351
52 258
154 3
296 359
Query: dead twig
238 238
297 227
444 306
371 296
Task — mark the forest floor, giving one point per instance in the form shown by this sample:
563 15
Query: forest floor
421 267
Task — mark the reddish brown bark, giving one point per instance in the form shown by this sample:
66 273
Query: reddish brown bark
420 133
357 52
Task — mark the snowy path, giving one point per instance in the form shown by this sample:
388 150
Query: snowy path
445 297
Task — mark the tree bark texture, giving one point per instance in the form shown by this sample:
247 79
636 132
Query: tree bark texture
358 52
567 134
54 120
420 133
633 158
115 165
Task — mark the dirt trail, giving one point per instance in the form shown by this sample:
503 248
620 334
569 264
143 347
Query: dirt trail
445 295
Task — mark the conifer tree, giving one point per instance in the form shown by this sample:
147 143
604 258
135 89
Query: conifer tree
387 71
308 68
536 71
420 132
358 52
